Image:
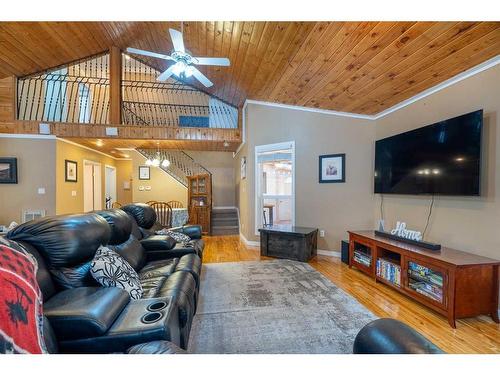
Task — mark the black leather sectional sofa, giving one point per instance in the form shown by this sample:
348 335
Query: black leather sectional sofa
85 317
80 316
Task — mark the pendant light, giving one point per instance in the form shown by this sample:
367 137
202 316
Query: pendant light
158 159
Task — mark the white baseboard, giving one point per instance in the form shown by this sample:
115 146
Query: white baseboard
223 208
249 243
329 253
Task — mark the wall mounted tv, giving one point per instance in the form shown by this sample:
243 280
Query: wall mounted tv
443 159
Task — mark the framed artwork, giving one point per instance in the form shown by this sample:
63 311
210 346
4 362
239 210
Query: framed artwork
8 170
70 171
243 167
331 168
144 173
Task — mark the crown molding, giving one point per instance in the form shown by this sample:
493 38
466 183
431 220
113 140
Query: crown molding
488 64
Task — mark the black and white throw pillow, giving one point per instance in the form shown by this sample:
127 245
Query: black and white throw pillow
110 269
178 237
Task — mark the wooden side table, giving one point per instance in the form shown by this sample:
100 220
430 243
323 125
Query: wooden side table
289 242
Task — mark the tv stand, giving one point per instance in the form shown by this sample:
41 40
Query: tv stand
453 283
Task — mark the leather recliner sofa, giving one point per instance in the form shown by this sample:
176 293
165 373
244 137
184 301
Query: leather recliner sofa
145 226
89 318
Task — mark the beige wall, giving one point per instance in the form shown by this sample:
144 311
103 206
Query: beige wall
467 223
221 165
163 187
35 169
65 201
334 208
124 174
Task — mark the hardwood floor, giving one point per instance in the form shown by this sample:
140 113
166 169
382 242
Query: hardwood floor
475 335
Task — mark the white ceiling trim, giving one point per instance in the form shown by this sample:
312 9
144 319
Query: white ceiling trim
451 81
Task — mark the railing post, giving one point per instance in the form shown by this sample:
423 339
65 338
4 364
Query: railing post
115 86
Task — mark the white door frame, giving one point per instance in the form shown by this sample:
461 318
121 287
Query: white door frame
106 166
94 164
265 148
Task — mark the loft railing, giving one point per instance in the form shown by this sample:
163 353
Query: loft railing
75 93
181 164
169 103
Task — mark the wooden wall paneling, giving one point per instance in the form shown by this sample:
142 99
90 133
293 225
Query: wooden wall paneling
115 85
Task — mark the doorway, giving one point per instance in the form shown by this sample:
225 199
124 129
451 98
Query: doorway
92 186
274 184
110 185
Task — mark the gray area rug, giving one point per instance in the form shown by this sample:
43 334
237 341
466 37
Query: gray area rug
277 306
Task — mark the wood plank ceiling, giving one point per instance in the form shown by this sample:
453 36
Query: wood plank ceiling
360 67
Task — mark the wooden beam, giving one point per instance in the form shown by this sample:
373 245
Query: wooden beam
115 86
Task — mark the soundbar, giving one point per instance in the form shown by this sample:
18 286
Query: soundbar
424 244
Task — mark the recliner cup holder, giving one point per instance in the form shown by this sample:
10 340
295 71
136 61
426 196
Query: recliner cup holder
151 317
157 306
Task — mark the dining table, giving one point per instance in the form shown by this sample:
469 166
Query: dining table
180 217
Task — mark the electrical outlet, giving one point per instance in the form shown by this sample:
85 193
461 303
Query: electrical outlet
322 233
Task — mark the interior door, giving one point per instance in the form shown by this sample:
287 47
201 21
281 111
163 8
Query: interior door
275 184
92 186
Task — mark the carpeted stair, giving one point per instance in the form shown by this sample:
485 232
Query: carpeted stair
224 221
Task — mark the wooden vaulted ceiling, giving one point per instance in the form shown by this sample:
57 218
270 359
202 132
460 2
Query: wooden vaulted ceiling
359 67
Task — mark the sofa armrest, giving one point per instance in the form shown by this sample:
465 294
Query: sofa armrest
158 242
156 347
84 312
193 231
390 336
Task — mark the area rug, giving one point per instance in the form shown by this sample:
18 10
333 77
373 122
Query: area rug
277 306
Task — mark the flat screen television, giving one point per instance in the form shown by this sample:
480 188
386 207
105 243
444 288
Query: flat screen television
443 159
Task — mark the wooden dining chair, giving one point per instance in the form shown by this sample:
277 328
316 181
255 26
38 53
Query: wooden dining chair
163 213
175 204
150 202
116 205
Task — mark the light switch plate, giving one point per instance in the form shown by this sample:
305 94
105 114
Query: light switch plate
148 188
41 190
141 188
73 193
322 233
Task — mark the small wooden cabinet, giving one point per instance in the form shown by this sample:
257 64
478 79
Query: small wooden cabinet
200 201
454 283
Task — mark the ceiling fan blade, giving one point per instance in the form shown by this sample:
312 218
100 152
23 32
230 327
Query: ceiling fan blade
177 40
166 74
201 77
221 61
148 53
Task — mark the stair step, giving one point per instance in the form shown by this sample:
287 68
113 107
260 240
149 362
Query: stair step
222 220
218 231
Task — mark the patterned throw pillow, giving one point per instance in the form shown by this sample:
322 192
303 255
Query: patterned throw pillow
178 237
111 270
21 315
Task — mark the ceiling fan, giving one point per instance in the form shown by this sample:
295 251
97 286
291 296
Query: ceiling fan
183 67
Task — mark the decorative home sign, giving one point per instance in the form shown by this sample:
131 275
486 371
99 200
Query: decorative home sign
401 231
332 168
70 171
144 173
8 170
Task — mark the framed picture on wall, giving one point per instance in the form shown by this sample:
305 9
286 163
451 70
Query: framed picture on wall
331 168
144 173
8 170
70 171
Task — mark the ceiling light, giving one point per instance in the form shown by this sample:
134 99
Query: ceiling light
436 171
427 171
99 143
459 159
179 68
188 72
